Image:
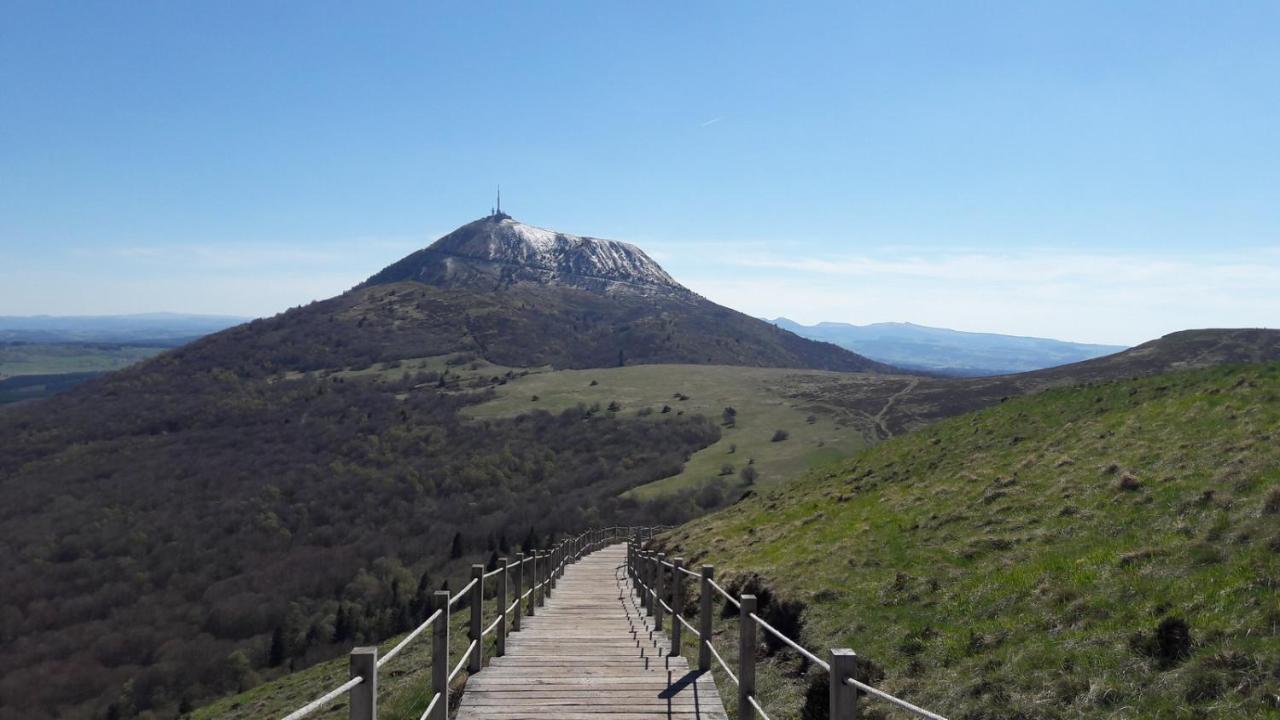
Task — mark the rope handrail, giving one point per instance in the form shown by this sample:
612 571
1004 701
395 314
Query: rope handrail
688 626
725 593
430 706
755 704
794 645
463 592
408 638
648 564
555 561
462 661
723 665
891 699
492 625
645 563
323 700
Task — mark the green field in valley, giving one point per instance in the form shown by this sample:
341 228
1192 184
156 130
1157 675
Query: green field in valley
762 398
17 359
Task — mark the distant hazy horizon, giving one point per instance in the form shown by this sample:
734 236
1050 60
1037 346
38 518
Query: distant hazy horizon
1095 172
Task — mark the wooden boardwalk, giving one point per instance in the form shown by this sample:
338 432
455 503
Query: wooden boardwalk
590 653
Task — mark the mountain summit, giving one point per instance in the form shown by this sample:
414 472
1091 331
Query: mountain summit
525 296
497 251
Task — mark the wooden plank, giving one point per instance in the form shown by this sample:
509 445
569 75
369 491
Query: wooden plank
590 653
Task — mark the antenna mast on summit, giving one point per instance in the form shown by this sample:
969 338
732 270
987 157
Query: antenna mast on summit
499 200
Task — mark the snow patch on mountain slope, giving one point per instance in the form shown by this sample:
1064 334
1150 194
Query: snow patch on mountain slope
502 239
541 239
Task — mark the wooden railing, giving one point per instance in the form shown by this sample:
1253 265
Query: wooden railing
545 567
649 571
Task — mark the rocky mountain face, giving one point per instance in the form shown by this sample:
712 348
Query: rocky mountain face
497 252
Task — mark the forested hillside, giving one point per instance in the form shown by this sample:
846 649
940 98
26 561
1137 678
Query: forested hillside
164 523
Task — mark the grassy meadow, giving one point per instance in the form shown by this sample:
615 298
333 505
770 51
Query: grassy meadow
766 400
763 399
17 359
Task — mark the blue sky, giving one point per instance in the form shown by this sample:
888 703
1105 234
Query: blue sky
1100 172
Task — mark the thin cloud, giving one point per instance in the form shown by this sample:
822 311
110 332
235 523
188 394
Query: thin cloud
711 122
1040 267
1118 298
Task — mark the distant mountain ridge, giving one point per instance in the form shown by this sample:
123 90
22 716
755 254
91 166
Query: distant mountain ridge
142 327
949 352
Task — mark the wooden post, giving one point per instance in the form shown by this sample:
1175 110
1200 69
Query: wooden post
515 621
533 581
440 657
746 657
557 563
637 571
502 609
704 618
659 572
549 574
843 697
477 619
677 604
540 577
646 566
551 571
364 697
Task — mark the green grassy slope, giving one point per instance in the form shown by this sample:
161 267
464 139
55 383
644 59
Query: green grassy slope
764 399
1038 559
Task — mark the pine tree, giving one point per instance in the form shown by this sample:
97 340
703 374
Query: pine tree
343 624
456 551
422 597
276 656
